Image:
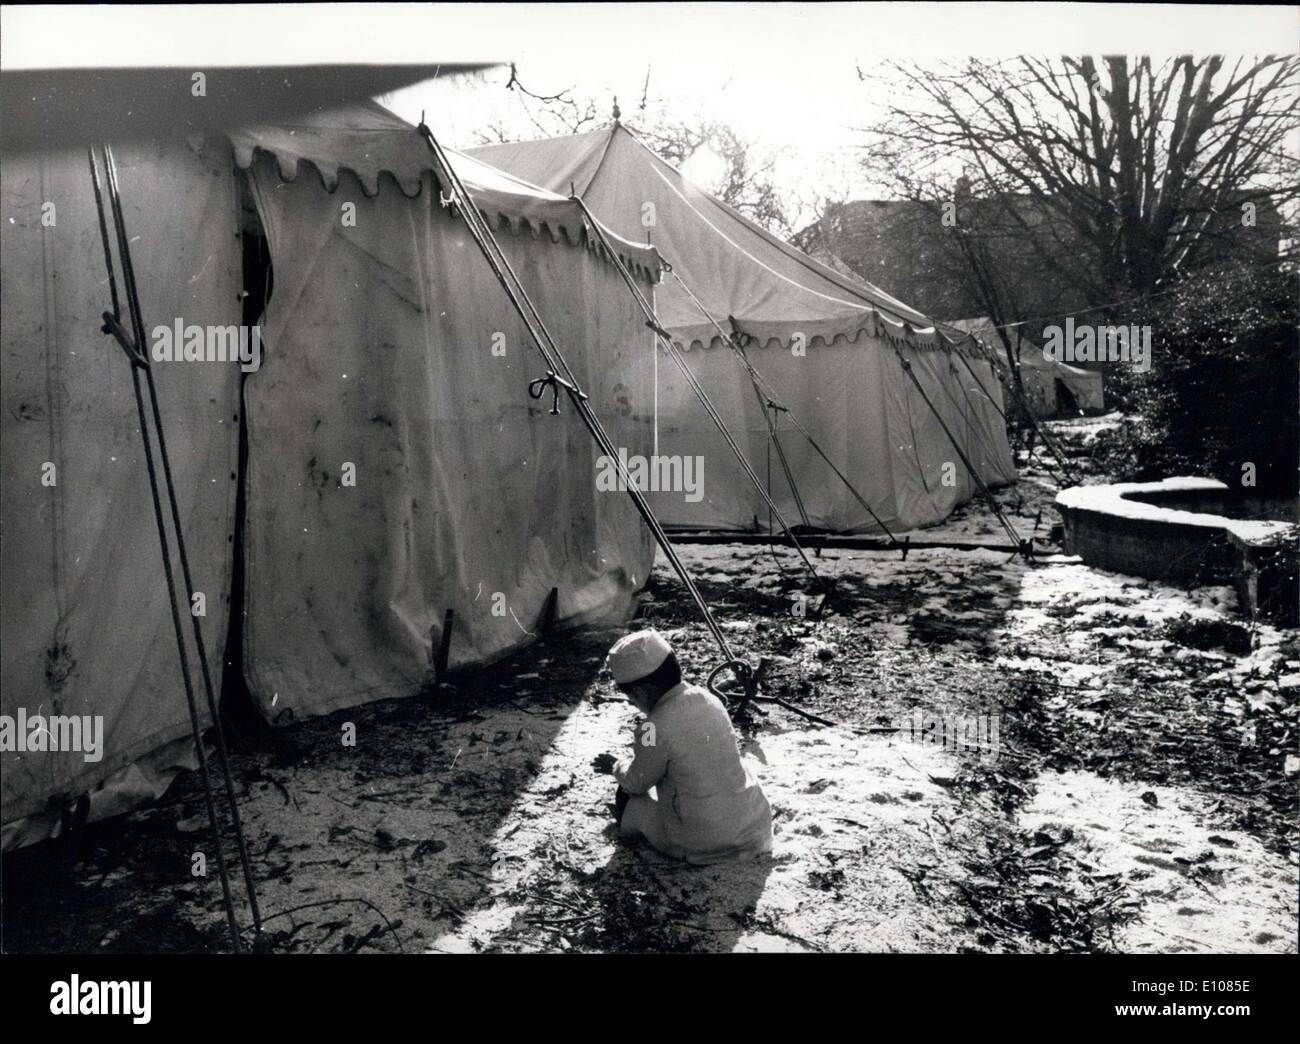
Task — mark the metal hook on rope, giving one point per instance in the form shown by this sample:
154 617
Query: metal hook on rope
749 676
113 327
651 324
537 388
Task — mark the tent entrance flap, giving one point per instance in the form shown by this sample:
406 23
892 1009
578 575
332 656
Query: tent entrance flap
258 281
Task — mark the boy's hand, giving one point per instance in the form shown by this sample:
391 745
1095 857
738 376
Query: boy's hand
604 763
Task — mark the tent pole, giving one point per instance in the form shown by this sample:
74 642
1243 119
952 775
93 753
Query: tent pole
134 348
1023 545
665 338
770 419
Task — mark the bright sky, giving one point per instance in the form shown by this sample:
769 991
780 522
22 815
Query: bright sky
785 75
782 75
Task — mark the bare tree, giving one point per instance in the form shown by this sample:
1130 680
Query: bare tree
543 115
1117 177
748 182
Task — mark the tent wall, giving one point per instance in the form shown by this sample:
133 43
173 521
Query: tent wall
986 412
379 350
468 494
86 627
864 412
847 387
1039 377
1038 374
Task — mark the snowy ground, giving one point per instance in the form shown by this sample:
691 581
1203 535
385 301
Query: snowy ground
1140 796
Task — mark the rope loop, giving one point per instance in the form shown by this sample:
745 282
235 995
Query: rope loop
552 380
537 388
749 676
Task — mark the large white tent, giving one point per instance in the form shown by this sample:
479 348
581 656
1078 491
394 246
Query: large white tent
830 346
396 466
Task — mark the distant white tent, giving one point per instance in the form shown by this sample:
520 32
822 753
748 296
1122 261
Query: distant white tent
828 343
1051 388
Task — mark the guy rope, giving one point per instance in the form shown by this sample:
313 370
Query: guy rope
764 389
1022 546
666 340
560 376
133 344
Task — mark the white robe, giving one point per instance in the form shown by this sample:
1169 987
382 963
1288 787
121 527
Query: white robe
707 807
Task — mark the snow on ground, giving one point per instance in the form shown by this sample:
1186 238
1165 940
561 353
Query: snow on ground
1124 500
1200 890
473 820
846 814
1086 428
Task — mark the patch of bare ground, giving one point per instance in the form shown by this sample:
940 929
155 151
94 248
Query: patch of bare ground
1140 793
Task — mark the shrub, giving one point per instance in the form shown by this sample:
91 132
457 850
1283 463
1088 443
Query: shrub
1222 389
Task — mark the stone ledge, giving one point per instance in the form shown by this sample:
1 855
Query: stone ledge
1123 528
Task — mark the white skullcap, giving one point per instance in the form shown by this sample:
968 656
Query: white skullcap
637 655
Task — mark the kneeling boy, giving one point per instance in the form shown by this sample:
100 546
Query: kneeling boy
707 807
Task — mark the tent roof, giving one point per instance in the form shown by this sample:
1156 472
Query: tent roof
369 141
46 109
736 268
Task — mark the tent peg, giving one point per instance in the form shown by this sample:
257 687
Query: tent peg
550 610
444 648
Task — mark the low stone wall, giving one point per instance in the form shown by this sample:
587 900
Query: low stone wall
1127 528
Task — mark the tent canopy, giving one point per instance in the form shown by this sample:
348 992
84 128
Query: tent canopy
371 142
834 349
736 268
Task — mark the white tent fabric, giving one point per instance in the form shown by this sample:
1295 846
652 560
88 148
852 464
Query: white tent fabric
733 265
865 414
372 144
380 354
468 495
824 342
1038 374
380 350
86 628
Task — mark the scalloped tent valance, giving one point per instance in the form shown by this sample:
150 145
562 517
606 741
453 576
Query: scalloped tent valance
775 292
369 142
874 381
